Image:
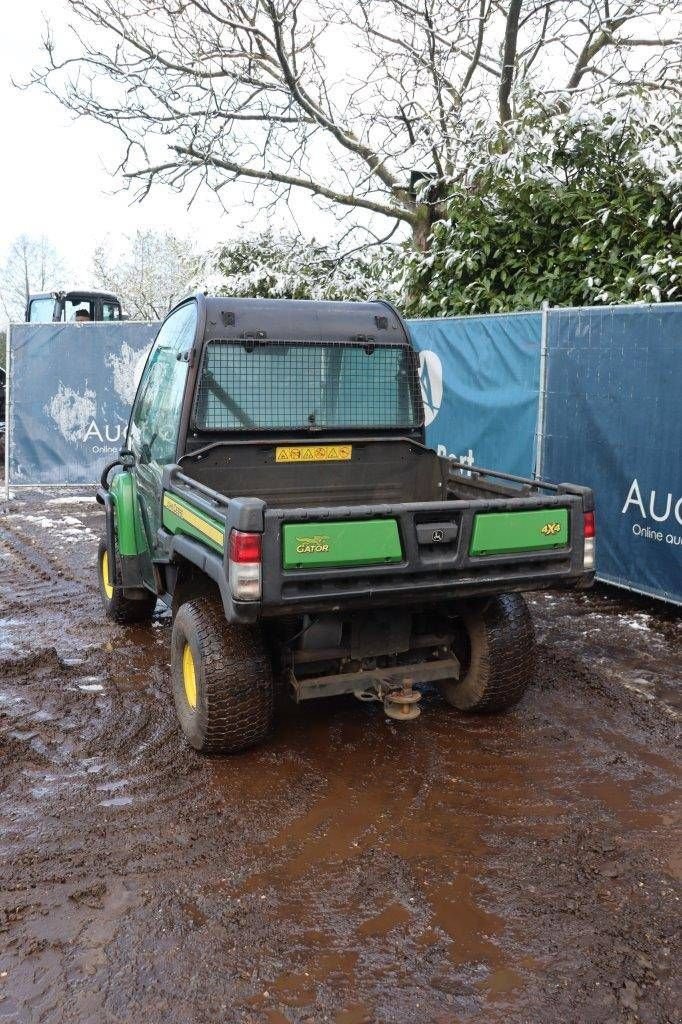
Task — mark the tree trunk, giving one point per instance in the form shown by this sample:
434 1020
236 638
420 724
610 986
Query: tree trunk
428 213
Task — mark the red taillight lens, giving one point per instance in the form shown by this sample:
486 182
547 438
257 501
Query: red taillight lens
589 527
245 547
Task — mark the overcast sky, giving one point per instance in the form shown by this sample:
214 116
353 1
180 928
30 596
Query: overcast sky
54 171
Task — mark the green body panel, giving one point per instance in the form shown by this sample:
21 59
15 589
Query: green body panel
181 516
497 533
130 535
364 542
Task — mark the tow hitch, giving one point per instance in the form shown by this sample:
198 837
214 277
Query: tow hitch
403 704
400 703
393 686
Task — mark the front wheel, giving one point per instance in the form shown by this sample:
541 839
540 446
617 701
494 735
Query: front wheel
222 679
117 605
496 650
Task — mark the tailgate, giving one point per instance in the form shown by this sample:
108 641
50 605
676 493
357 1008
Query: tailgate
315 558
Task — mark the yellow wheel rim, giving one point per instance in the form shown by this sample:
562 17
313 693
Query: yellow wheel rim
189 676
108 589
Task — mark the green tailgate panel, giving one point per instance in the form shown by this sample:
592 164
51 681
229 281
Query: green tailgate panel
499 533
364 542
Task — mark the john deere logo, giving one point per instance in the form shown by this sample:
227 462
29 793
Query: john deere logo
437 536
317 545
550 529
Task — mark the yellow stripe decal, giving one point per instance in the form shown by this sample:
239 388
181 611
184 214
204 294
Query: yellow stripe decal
213 532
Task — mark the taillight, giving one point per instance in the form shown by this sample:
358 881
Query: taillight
589 533
245 555
245 547
588 524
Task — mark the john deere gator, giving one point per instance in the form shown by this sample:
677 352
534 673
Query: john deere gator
276 492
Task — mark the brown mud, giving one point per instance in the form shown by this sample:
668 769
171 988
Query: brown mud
518 868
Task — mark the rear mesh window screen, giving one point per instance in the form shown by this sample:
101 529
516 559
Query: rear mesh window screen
271 385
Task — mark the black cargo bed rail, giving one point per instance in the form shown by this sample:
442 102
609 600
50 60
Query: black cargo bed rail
471 469
464 471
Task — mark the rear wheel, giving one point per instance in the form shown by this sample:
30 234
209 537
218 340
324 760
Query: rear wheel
222 679
117 605
496 649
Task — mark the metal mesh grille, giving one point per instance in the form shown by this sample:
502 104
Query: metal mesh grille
278 385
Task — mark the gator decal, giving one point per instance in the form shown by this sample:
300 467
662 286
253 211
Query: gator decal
355 542
315 453
317 545
499 533
181 517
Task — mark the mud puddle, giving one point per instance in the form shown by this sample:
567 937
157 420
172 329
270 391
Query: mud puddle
522 868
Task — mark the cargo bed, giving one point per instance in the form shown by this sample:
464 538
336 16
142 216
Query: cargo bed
492 532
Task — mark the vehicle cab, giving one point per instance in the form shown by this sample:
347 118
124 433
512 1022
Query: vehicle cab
62 306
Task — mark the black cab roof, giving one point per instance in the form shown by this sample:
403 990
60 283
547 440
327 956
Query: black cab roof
302 320
68 292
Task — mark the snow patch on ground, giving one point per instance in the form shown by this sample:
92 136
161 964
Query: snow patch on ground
71 535
42 521
640 621
69 528
76 500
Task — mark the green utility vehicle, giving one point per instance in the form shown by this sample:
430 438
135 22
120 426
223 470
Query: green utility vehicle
277 494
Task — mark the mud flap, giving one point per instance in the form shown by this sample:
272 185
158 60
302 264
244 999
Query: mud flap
104 498
131 544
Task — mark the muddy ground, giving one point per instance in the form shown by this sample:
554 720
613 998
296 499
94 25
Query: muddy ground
521 868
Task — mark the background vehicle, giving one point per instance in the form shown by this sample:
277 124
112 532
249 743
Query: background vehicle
49 307
277 494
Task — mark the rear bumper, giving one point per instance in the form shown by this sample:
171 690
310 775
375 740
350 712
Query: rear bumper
420 595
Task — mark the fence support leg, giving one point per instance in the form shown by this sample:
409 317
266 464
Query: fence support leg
542 396
8 399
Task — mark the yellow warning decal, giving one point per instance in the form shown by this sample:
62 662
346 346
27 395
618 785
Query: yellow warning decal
315 453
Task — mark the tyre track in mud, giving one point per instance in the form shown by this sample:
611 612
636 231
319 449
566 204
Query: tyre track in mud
35 574
463 869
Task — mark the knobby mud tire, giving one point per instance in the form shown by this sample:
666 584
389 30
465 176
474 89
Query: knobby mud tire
233 682
498 656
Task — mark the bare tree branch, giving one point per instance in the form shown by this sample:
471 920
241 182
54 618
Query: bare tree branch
341 100
241 170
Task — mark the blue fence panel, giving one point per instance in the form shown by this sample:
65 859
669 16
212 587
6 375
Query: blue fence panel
480 381
70 391
612 415
614 422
